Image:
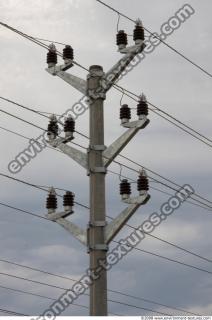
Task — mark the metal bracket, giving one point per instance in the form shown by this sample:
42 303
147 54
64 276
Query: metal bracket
98 170
97 223
98 147
101 247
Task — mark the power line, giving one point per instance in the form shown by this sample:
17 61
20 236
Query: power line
162 183
160 239
38 295
129 93
154 302
41 113
169 259
164 42
117 87
36 41
114 160
38 187
21 119
13 312
125 90
159 175
161 191
85 148
110 290
46 297
127 158
65 289
151 253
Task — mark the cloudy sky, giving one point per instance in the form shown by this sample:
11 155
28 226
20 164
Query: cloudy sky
169 82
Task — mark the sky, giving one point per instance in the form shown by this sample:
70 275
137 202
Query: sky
169 82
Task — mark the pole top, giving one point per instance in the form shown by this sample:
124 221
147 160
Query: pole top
96 70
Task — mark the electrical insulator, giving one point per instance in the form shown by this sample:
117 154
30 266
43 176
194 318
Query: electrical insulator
138 33
68 54
68 201
121 39
142 183
52 56
125 113
125 189
142 107
51 201
69 127
52 128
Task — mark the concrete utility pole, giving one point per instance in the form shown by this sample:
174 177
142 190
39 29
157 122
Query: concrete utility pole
98 249
98 157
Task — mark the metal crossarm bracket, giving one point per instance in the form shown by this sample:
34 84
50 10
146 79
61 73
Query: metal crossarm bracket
73 153
74 81
115 226
118 145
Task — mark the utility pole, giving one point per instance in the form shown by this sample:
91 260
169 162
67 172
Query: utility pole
98 157
97 171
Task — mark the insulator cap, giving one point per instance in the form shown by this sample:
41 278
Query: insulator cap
125 187
53 127
121 38
68 199
69 125
68 53
125 112
51 57
51 201
142 183
138 33
142 108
